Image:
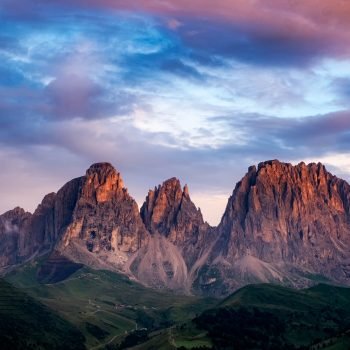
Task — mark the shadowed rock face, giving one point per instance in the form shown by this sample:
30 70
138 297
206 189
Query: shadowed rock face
13 227
24 235
169 211
179 238
283 223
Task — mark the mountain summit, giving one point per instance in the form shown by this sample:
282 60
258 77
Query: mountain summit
286 224
283 223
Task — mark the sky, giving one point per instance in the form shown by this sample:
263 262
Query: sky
198 89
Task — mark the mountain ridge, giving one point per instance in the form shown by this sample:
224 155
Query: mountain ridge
283 223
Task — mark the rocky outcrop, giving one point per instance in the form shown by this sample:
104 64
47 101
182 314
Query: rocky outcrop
105 226
12 232
24 235
283 223
169 211
179 238
91 220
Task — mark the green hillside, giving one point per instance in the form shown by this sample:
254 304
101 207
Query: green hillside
107 307
27 324
115 313
273 317
265 316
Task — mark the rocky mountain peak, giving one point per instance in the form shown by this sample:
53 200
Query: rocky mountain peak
102 182
178 237
105 222
284 218
102 170
283 223
166 206
170 212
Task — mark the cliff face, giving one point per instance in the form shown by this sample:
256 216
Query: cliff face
91 219
179 237
283 223
12 232
284 210
169 211
105 225
24 235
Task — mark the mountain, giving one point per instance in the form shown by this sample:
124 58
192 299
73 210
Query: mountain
105 225
91 220
179 238
284 224
23 235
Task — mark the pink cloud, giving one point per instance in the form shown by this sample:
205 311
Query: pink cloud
323 26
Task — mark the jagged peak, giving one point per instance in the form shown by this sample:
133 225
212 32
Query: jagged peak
48 198
102 181
103 171
17 211
47 202
173 182
186 191
171 186
278 164
100 168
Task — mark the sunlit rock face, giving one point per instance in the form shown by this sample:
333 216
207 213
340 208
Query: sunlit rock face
283 223
106 225
91 219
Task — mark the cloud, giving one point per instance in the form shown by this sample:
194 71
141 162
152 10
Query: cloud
145 160
292 137
9 227
195 89
260 32
341 89
73 96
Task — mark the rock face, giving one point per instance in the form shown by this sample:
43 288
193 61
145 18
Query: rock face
283 223
24 235
105 225
91 220
169 211
179 237
13 226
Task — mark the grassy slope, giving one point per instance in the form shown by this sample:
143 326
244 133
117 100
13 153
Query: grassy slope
271 316
27 324
88 299
260 316
267 316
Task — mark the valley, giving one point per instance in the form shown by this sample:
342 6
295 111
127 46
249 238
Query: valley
112 312
106 306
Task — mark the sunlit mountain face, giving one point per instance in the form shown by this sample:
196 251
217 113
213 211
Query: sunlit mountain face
194 89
